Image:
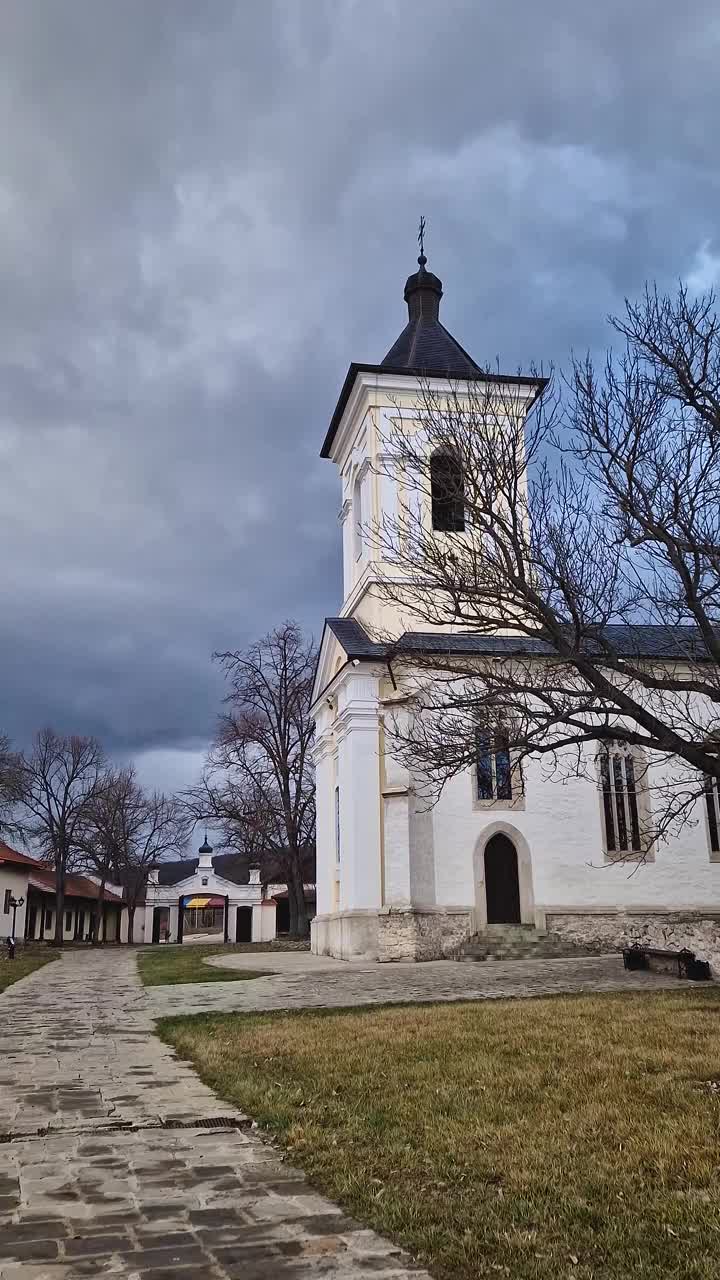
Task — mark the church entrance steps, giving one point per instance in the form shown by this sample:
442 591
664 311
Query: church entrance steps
522 942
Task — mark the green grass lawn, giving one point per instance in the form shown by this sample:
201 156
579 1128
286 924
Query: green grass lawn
23 964
566 1137
167 965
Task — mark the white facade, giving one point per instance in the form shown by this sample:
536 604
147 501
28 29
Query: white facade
13 884
244 903
398 880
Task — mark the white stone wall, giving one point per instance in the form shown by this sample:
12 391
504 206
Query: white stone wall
561 825
670 930
14 878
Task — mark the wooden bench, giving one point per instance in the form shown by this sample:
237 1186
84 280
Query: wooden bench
639 956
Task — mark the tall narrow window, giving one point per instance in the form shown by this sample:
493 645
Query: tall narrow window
619 786
6 903
357 517
712 802
447 488
337 824
494 766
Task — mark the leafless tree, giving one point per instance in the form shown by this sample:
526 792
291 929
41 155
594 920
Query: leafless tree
101 843
258 785
11 779
60 779
138 829
569 529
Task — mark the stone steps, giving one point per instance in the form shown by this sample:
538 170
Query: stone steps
521 942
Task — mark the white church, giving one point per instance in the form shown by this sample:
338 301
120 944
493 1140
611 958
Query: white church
396 880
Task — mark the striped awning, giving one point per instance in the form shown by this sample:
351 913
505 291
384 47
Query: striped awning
203 902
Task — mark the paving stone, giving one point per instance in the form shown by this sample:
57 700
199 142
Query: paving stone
30 1249
91 1185
96 1244
304 981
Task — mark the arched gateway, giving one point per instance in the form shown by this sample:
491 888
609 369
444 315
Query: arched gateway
502 885
195 900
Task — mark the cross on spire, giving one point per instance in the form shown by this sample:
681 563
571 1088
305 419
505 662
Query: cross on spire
421 241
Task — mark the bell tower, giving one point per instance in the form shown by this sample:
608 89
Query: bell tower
425 351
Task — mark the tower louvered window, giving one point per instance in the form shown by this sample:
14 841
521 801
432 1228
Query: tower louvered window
448 493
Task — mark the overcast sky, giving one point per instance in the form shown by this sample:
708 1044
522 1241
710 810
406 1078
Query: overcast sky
207 211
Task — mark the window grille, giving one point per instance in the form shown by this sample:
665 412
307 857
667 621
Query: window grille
620 787
494 766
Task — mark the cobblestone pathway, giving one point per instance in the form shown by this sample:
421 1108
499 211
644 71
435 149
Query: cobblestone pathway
109 1165
304 981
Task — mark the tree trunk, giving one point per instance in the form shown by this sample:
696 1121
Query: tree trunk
98 915
59 902
296 902
131 925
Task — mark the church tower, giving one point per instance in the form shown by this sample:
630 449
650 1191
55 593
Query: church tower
425 352
379 894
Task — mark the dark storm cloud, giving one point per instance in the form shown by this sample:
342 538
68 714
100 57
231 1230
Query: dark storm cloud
207 211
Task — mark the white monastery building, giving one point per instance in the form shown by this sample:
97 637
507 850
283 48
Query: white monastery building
399 880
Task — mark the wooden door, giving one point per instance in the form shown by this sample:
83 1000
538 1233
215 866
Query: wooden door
502 887
243 928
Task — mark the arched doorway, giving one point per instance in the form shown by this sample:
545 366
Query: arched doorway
502 887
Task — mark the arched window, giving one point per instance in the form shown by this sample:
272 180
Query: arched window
447 488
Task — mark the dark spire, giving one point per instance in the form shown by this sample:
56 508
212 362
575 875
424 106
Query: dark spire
205 847
425 346
423 290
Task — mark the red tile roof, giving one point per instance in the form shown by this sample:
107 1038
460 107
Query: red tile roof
11 855
42 876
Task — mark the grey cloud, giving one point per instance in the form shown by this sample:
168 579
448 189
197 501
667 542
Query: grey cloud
207 211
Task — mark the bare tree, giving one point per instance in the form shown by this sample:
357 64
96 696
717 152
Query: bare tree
11 780
138 829
569 529
101 844
60 779
258 785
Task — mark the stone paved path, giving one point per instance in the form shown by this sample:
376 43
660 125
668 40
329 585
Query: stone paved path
304 981
109 1165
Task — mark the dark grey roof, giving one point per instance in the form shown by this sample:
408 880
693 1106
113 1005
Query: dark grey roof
426 344
629 641
425 349
231 866
354 639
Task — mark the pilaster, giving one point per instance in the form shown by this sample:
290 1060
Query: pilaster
357 735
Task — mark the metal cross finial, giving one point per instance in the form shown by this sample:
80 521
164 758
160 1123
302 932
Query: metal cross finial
421 241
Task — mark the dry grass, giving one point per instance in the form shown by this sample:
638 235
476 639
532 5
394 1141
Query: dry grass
565 1137
24 963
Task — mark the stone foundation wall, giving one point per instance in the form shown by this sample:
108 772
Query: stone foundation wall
697 931
421 934
346 935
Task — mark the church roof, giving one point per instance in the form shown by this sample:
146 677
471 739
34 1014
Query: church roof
424 349
628 640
